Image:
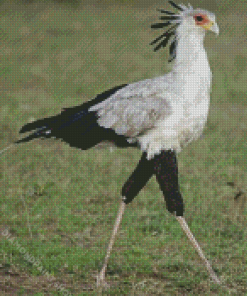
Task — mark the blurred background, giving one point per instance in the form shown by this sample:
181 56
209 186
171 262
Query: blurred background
60 203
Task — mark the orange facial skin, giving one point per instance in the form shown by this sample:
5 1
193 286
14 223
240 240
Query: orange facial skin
201 19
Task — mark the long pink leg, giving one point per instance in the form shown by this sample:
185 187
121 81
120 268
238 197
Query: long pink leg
195 244
101 276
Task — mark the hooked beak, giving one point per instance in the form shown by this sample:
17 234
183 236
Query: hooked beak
212 27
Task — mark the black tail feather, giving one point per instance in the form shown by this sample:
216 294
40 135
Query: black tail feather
71 111
76 126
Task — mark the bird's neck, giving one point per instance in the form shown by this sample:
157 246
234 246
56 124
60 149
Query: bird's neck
191 57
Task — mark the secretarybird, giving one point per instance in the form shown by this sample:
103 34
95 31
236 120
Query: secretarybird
159 115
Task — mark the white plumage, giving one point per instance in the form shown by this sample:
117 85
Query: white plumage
170 111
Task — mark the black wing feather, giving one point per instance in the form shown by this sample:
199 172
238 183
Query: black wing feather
76 126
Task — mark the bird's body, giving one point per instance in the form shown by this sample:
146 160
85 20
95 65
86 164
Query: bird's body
159 115
163 113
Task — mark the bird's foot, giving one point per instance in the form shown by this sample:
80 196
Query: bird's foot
101 283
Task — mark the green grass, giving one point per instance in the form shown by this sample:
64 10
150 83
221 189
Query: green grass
59 203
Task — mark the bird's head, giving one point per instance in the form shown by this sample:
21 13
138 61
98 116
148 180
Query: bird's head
187 20
200 20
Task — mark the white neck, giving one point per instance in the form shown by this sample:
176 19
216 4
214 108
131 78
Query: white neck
191 72
190 53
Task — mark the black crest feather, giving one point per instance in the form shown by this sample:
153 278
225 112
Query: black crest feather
176 5
165 11
160 25
170 19
173 50
165 36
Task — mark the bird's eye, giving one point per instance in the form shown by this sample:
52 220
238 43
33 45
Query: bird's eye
199 18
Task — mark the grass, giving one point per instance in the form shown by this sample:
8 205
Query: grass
58 204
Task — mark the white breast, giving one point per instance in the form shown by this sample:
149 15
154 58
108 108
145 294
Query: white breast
190 96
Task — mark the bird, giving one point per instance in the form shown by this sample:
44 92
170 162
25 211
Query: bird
159 116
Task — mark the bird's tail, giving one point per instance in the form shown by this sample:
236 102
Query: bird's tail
75 126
